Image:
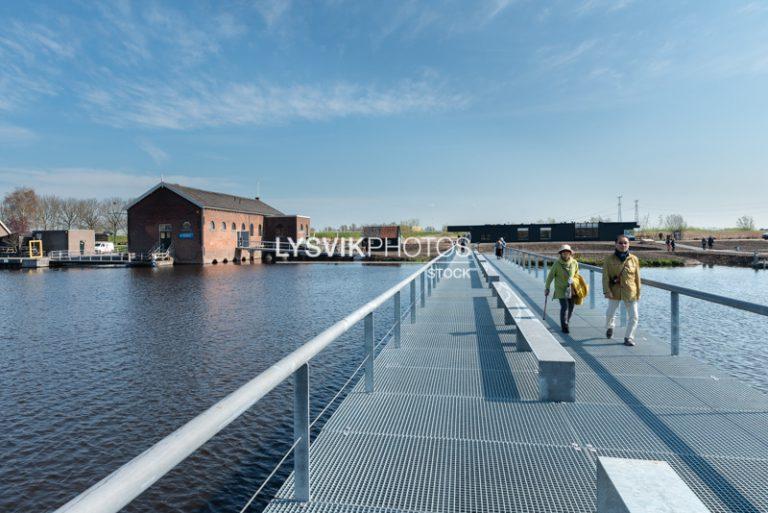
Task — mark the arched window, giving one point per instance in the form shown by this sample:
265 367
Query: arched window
251 230
213 226
242 227
234 227
224 226
261 231
301 227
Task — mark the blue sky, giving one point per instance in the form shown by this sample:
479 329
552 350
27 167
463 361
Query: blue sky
354 111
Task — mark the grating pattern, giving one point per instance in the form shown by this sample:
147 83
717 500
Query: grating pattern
455 424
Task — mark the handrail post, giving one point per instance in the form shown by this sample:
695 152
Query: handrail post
413 301
398 315
423 290
544 274
301 487
430 278
369 350
536 268
675 319
592 289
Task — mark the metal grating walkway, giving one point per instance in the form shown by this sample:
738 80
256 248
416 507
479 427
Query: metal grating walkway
454 423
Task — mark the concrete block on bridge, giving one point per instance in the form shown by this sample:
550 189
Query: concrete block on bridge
643 486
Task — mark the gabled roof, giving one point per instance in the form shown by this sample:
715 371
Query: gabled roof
215 200
4 227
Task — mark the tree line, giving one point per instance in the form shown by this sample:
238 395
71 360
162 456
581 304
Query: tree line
23 210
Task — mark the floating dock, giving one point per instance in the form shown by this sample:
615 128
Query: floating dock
455 423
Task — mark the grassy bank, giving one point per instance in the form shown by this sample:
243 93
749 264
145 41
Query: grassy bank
644 261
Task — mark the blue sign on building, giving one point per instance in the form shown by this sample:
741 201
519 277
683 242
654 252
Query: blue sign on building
186 235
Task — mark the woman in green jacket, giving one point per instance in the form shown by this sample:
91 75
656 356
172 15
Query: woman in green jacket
563 272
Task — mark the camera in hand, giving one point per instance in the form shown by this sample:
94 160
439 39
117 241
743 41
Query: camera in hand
615 280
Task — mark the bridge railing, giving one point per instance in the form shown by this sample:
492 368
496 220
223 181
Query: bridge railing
530 261
118 489
71 254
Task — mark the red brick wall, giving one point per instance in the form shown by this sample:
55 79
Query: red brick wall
220 243
295 227
165 207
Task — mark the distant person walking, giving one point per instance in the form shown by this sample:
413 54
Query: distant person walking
563 272
500 245
672 244
621 282
703 243
710 242
669 243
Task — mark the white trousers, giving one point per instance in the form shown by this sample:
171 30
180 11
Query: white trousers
610 316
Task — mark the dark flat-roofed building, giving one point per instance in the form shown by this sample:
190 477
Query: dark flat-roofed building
205 226
552 232
76 241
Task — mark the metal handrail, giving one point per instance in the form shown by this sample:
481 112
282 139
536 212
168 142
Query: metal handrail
123 485
524 258
706 296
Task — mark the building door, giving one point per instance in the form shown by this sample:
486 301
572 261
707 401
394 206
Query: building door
243 239
165 236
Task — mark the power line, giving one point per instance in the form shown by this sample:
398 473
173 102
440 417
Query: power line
619 216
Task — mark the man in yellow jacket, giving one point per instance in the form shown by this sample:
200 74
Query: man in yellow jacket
621 282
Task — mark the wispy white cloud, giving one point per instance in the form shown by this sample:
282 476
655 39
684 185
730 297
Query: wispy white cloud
158 155
79 182
555 58
588 6
272 10
753 7
207 103
11 134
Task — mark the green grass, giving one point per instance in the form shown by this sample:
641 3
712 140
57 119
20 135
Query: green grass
332 234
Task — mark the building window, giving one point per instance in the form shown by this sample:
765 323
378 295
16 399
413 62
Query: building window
261 231
250 232
522 234
223 226
165 228
545 233
213 226
586 231
242 227
186 226
234 227
301 227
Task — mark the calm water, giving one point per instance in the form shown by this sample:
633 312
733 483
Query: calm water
97 365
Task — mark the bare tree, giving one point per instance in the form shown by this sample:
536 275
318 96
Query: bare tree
676 223
745 223
19 209
91 214
115 215
49 212
69 214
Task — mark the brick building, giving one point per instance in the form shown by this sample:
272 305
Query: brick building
205 227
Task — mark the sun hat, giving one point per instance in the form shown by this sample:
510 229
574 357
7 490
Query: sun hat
565 247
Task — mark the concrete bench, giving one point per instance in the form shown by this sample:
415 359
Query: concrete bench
514 307
557 368
491 275
643 486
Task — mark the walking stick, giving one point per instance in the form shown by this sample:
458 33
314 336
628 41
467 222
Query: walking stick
544 317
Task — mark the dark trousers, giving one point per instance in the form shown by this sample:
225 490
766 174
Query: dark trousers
566 310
